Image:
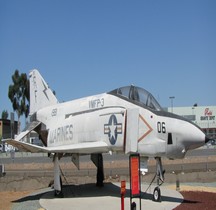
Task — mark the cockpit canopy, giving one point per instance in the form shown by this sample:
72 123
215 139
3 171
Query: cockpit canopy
139 95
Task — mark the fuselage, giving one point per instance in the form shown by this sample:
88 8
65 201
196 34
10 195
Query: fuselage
107 117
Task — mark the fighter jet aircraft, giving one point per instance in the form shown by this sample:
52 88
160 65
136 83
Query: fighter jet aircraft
126 120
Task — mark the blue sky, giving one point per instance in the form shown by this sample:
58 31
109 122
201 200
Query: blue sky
87 47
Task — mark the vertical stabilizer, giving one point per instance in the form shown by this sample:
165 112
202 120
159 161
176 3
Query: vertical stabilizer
40 94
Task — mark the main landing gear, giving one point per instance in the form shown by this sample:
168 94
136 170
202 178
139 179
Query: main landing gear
57 177
97 159
160 179
59 193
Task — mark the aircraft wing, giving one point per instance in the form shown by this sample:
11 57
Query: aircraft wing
81 148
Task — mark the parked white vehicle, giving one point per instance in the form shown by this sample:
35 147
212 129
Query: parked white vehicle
6 148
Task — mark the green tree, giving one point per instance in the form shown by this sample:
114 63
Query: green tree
4 114
18 94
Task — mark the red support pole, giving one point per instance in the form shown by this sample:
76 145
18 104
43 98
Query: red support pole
123 191
122 202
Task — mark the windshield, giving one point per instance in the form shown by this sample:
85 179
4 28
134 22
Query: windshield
139 95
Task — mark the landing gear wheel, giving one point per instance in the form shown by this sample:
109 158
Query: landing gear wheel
157 194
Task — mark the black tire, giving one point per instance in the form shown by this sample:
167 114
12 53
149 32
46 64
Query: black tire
157 194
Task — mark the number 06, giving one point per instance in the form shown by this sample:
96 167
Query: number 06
161 127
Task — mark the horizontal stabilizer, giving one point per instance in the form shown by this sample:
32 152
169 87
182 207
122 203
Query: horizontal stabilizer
25 147
31 127
81 148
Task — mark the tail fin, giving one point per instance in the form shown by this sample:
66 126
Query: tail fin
40 94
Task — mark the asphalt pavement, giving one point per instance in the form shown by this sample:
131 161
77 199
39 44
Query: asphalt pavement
88 196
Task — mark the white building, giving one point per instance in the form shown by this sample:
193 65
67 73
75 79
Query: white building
203 116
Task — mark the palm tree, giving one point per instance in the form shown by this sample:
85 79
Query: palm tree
18 93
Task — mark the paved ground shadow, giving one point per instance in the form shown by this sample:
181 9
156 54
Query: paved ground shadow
109 189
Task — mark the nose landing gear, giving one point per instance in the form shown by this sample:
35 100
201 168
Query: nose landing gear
160 179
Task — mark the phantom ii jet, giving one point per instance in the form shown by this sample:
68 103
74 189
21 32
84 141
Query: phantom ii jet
126 120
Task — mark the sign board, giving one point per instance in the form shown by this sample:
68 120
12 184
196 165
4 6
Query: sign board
135 176
135 184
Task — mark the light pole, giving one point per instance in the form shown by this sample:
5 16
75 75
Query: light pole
172 98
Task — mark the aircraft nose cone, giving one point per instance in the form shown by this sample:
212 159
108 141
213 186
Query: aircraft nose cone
202 138
196 139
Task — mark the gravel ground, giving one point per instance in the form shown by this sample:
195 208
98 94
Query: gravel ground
30 202
197 201
7 198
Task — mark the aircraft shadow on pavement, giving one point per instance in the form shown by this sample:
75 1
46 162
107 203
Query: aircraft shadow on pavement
109 189
29 198
91 190
171 199
148 196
